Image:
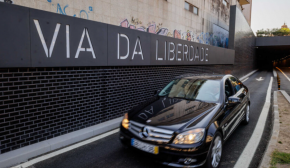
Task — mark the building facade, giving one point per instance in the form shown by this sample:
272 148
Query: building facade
205 22
247 11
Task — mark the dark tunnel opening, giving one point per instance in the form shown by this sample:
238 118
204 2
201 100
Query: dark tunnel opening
273 52
269 57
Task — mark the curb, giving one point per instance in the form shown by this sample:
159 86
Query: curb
275 133
23 154
287 97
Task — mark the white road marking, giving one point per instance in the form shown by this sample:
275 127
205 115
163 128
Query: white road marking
259 79
47 156
249 151
248 75
283 73
245 80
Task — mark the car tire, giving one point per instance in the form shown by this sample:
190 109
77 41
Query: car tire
215 152
247 115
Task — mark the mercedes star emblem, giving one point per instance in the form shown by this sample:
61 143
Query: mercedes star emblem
144 133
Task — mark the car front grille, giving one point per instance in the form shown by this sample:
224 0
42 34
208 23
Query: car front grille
153 134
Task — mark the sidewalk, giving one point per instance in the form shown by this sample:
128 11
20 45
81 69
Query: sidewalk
277 154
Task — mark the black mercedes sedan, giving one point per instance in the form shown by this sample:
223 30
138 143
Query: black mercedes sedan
187 123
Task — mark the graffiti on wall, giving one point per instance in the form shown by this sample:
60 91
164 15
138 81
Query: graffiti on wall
152 27
218 37
84 14
62 10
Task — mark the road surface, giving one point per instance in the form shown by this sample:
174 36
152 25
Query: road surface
109 153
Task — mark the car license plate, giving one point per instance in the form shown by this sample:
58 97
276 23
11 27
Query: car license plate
144 146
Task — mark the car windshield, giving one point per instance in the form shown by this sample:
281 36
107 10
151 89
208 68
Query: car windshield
193 89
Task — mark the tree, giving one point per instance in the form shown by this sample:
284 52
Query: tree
282 32
264 33
273 32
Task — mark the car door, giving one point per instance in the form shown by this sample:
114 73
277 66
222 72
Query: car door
229 111
238 109
239 91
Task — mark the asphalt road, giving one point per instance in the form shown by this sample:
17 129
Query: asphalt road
109 153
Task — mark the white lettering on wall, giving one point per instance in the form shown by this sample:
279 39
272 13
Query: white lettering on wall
206 55
135 52
185 52
42 38
165 46
196 54
171 51
85 32
158 59
67 42
191 53
188 52
178 52
118 50
202 54
91 49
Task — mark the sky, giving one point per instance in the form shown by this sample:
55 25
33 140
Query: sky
270 14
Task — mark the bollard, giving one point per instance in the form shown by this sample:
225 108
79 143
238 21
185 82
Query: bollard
278 80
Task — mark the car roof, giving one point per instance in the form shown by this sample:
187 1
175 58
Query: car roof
202 76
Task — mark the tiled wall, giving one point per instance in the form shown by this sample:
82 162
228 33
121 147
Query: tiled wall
245 44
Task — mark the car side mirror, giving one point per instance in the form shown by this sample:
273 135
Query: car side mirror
233 100
156 92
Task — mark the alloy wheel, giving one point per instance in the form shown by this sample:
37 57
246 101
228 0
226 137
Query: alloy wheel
248 113
216 153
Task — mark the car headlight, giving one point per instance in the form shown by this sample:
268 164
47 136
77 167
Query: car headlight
189 137
125 121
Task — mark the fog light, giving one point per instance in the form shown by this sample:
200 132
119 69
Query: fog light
125 121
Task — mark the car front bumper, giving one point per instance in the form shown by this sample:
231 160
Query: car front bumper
174 157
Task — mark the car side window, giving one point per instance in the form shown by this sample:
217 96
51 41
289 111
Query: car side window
228 89
236 84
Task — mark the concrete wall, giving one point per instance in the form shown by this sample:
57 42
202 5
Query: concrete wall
163 17
273 41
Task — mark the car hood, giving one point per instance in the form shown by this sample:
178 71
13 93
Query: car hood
172 113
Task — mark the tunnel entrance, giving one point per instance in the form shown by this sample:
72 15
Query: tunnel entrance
273 51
